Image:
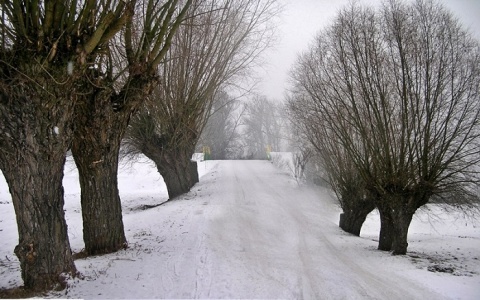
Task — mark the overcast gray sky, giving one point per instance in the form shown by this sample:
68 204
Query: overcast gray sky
300 21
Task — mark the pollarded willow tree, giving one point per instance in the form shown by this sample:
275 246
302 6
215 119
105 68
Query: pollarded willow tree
112 90
46 47
341 173
399 89
214 49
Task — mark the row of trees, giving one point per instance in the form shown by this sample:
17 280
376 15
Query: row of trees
221 137
390 101
210 54
72 76
244 130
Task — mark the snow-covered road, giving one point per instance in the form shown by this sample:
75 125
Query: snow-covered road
261 236
247 230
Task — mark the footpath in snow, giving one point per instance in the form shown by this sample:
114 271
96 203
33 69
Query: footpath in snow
247 230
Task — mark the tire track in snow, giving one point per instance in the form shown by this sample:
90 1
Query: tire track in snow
367 283
251 232
320 267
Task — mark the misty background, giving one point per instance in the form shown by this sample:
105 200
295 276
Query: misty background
253 124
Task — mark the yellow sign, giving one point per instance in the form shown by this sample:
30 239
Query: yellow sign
206 153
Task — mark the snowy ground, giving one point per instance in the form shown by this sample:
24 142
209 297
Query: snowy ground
247 230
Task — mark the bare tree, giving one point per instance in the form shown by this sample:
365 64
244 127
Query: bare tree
112 90
45 47
221 134
341 173
400 92
214 49
262 127
300 159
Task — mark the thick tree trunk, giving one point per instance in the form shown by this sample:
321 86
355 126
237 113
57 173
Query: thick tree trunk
180 175
43 248
34 137
401 222
353 216
386 230
396 214
400 242
37 194
179 172
101 119
97 135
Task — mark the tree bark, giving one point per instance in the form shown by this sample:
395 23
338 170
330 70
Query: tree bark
43 248
401 222
179 172
353 216
396 213
101 119
386 229
97 135
34 137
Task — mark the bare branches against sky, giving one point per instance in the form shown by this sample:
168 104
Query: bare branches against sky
300 21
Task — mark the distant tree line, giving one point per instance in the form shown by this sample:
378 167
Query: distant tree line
246 129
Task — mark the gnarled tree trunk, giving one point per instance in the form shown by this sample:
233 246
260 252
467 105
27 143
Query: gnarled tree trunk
179 172
403 210
401 223
386 235
34 137
354 215
396 213
97 135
